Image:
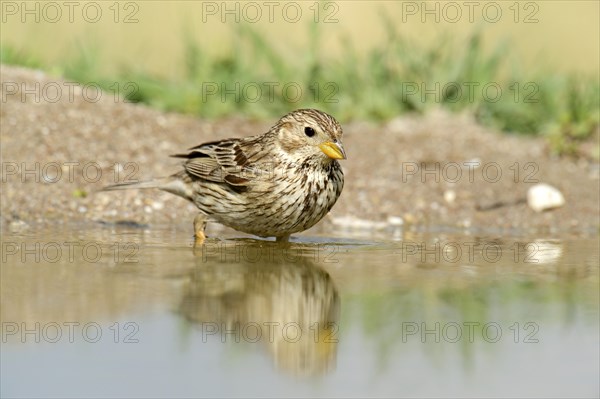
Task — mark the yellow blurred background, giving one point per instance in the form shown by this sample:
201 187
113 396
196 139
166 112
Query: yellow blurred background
561 36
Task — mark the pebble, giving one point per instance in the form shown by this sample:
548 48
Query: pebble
466 223
352 222
541 197
16 226
395 221
449 196
473 163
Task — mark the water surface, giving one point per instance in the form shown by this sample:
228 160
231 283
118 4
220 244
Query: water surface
147 312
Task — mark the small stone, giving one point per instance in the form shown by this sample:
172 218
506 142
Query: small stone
17 226
409 218
449 196
541 197
395 221
473 163
351 222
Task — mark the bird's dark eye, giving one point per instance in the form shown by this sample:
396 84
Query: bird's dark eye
309 131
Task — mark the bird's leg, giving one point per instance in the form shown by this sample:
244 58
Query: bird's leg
284 238
199 227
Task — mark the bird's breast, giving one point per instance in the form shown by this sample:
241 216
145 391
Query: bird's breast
303 196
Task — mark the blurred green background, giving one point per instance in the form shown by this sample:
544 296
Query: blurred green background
356 59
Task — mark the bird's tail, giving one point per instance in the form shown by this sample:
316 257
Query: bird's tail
172 184
154 183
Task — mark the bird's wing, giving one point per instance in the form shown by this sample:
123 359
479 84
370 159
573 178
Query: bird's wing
226 161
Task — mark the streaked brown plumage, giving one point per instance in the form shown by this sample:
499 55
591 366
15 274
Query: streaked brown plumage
271 185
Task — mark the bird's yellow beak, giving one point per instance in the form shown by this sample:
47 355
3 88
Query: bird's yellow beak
333 150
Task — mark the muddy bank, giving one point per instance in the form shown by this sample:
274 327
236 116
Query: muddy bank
438 171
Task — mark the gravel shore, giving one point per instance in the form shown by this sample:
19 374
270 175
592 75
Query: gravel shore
435 172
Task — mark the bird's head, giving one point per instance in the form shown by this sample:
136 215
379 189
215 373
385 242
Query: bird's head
310 135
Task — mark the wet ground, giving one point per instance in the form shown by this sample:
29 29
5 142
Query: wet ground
123 311
435 170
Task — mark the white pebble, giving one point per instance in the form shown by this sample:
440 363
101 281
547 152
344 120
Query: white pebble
16 226
474 163
449 196
395 221
543 196
351 222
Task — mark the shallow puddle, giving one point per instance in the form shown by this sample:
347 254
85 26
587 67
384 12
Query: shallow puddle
147 312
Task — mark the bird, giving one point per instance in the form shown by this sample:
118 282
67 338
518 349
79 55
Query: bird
274 184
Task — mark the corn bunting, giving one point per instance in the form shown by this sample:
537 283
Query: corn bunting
271 185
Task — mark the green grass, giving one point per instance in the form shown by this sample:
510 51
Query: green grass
380 85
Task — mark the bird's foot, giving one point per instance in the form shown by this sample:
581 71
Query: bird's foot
285 238
199 228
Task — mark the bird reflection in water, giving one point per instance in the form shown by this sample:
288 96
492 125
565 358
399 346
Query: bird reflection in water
270 294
